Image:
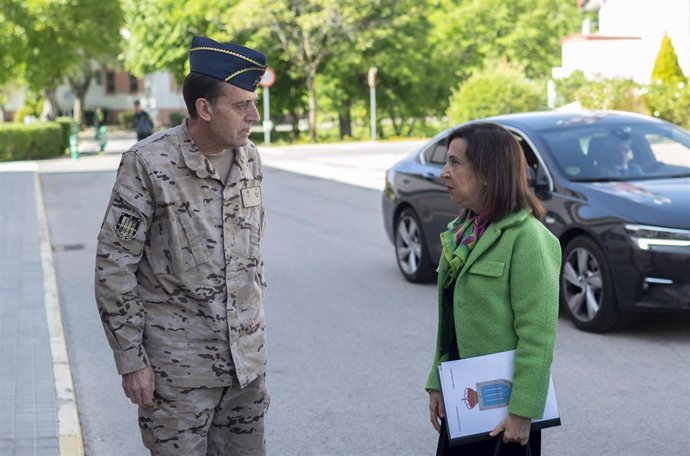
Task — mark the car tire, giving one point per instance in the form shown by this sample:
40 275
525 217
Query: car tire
411 251
587 292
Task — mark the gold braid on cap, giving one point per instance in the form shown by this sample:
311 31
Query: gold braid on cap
206 48
243 71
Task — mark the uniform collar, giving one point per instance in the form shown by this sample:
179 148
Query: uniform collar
197 161
191 154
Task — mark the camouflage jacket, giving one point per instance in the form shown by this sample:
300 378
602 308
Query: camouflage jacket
179 275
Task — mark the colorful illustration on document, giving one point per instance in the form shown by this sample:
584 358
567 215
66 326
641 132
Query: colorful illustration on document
489 395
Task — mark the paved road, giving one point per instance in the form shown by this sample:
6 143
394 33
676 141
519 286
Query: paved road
350 342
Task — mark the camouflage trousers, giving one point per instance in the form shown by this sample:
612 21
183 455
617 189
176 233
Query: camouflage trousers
206 421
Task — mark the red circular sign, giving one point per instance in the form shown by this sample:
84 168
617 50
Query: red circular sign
268 79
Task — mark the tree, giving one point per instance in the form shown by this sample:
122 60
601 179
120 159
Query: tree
499 90
526 32
666 66
392 35
159 32
13 48
63 41
305 31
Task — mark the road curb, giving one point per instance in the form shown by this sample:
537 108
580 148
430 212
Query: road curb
69 428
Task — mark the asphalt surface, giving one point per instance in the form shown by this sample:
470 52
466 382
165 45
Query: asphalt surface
350 342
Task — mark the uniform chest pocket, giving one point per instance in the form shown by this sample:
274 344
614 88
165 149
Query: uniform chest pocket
488 268
176 244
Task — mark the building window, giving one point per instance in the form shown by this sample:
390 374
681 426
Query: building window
99 77
110 82
133 84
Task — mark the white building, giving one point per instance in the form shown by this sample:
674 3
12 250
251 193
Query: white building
628 40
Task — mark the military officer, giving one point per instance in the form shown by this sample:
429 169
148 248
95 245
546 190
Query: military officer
179 273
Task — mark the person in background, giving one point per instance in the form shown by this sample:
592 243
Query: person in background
142 122
498 281
179 273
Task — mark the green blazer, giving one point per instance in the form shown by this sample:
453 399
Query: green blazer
505 298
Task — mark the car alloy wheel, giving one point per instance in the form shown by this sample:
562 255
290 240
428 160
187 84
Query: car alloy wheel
410 248
587 289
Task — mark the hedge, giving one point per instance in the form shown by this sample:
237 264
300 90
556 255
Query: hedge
31 142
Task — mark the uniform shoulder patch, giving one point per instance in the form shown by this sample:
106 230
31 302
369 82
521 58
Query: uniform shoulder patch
127 226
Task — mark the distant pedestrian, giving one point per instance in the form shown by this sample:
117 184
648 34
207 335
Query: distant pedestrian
497 281
179 270
142 122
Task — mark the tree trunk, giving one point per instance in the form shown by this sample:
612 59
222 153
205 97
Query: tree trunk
410 127
77 110
345 120
50 105
396 125
294 121
79 88
312 106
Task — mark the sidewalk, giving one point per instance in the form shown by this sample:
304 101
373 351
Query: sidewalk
28 402
38 410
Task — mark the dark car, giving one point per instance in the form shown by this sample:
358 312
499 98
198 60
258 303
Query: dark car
616 188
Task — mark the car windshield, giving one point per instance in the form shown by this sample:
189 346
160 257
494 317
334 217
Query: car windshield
620 152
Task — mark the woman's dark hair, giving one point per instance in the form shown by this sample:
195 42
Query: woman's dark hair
497 158
199 86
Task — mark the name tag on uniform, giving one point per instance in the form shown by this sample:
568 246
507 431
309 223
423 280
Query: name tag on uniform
251 196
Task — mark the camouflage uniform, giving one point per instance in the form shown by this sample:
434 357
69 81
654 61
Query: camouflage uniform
179 274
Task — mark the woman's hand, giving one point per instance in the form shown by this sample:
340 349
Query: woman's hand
515 429
436 410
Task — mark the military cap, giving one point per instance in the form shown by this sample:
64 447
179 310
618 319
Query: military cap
240 66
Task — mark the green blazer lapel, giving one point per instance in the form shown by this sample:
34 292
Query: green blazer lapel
491 235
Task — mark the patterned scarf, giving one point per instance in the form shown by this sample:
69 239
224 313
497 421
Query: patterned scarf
461 237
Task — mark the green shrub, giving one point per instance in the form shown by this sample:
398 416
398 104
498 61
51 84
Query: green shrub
492 92
666 66
66 125
612 93
567 88
31 142
176 118
669 101
126 119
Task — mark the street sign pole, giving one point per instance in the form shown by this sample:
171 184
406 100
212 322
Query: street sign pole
371 79
267 81
372 102
267 117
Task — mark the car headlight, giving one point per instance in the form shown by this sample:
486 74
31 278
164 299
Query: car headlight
648 237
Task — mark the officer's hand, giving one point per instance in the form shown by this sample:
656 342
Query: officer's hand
436 409
139 386
515 429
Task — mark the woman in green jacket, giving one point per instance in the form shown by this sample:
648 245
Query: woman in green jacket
497 280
